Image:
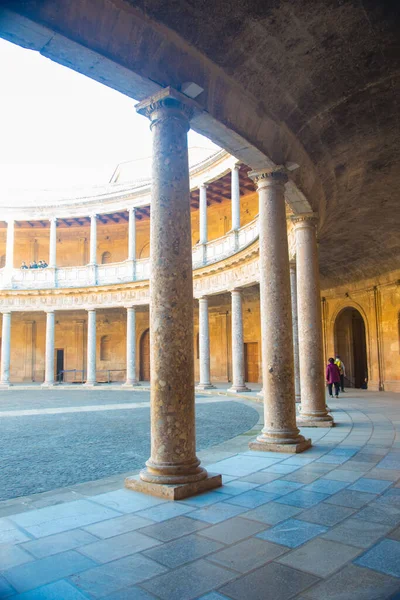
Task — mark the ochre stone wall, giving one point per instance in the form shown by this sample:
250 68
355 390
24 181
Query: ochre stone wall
73 242
378 302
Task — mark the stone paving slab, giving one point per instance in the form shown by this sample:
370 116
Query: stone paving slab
321 525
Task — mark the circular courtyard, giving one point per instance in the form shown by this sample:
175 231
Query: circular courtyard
56 438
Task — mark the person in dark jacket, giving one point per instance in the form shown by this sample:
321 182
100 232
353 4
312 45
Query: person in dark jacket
333 377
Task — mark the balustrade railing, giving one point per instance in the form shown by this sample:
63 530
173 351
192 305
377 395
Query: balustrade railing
125 271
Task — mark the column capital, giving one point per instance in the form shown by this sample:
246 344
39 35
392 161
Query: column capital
167 103
93 215
130 307
131 209
304 220
49 311
235 166
269 176
236 290
204 184
292 263
52 219
6 312
203 298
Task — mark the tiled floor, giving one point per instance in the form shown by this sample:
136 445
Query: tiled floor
323 525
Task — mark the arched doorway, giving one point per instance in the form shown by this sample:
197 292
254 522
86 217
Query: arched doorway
350 344
145 356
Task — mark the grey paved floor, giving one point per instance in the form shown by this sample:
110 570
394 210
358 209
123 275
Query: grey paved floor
322 525
44 451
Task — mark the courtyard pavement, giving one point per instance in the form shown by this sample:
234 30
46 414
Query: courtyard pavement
322 525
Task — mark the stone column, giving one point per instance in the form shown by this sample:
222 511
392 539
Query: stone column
131 347
53 244
5 351
132 239
49 365
293 290
203 219
238 382
312 376
10 245
235 198
173 469
204 346
91 349
280 432
93 240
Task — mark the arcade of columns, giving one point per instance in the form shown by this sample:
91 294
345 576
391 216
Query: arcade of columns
291 344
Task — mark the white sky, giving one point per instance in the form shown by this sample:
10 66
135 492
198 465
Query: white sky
62 129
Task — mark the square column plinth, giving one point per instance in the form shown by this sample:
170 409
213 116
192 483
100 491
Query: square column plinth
276 447
177 491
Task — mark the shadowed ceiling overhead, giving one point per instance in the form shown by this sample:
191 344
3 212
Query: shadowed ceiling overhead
310 81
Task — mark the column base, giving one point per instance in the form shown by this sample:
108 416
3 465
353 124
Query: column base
260 394
204 386
46 384
5 386
176 491
90 384
130 384
295 448
315 422
298 399
238 389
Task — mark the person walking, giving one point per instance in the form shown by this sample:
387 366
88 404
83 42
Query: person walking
333 377
342 371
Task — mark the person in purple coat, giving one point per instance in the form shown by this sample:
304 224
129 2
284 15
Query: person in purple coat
333 377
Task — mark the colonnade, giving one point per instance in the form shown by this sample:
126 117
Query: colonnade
173 470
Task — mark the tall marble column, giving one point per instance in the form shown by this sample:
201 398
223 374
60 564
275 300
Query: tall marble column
235 197
295 323
312 376
93 240
238 367
91 349
173 469
204 346
280 432
132 239
203 219
131 347
10 245
53 243
49 359
5 351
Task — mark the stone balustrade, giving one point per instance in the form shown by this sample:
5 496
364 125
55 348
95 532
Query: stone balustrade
125 271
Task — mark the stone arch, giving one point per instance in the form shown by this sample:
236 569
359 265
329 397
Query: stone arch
105 347
145 356
145 250
350 335
106 258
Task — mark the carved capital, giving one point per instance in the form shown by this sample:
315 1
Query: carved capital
270 176
305 219
167 104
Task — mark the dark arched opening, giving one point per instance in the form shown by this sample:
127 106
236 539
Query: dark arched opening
145 356
351 346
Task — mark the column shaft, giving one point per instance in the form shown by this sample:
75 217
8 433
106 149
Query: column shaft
50 336
312 376
173 459
93 240
91 348
280 432
10 245
131 347
203 214
132 234
295 323
238 366
5 350
53 244
235 198
204 346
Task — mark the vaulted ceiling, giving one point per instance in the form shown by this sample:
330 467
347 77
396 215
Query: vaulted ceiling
315 82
